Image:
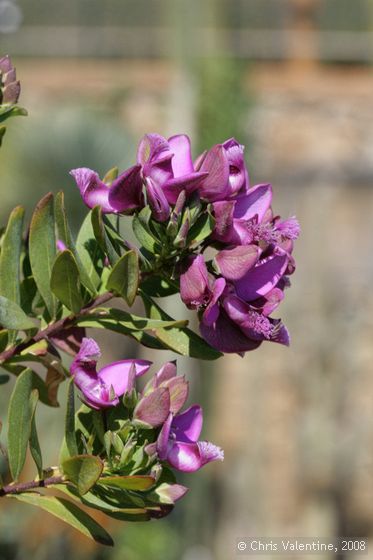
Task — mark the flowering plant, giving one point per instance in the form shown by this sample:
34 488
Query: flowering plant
204 232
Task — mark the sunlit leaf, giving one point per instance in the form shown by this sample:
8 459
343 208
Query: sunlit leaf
124 278
83 471
65 281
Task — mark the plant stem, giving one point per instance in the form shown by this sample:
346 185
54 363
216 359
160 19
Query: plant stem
55 328
24 486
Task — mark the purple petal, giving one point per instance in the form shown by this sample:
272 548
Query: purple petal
164 437
194 282
179 389
89 351
188 425
225 336
154 408
211 312
173 187
238 175
157 201
125 194
182 163
185 457
5 64
261 279
270 301
216 185
153 148
12 92
223 213
234 263
96 394
117 374
94 192
210 452
60 245
255 203
167 371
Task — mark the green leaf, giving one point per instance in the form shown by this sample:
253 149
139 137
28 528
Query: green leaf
34 440
138 482
10 256
69 513
42 248
83 471
124 278
2 132
111 175
47 394
120 321
156 286
64 233
101 235
70 437
8 110
4 379
183 341
203 227
12 317
143 232
65 281
19 422
89 251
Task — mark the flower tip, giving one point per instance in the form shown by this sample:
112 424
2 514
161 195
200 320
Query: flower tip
89 351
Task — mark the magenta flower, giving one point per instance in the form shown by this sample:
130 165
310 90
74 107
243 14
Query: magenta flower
124 195
102 389
227 173
167 169
178 442
249 219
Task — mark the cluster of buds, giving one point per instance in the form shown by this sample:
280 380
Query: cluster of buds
9 87
151 431
188 207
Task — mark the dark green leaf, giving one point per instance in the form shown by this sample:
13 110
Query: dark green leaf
34 440
101 235
64 233
70 437
46 395
123 319
42 248
65 281
201 229
89 251
19 422
183 341
156 286
4 379
69 513
124 278
10 256
83 471
12 317
143 232
138 482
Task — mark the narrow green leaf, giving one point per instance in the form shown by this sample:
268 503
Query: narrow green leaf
180 340
124 278
70 437
34 440
19 422
201 229
65 281
10 256
12 317
42 248
83 471
68 512
64 233
101 235
47 393
89 250
143 232
138 482
156 286
116 317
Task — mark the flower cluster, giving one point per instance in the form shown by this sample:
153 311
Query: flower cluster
171 436
236 289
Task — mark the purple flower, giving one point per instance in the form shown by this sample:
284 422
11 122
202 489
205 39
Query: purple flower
178 442
9 86
124 195
200 290
227 173
249 219
167 169
102 389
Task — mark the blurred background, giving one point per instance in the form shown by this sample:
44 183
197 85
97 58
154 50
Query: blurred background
292 80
